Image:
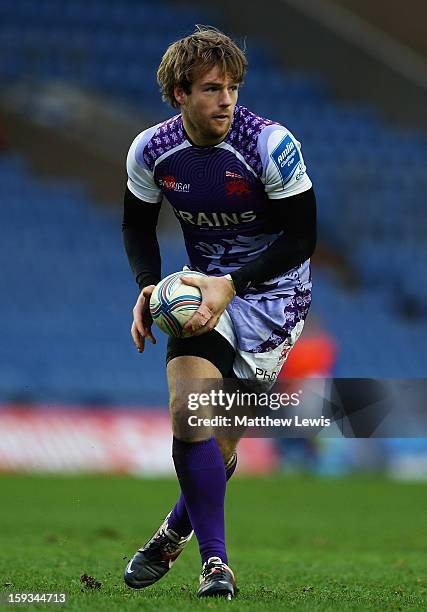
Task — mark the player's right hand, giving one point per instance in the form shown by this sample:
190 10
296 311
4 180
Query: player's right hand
142 319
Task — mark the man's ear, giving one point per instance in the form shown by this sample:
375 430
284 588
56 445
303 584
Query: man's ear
180 95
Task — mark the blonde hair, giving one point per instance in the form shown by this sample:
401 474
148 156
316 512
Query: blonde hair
186 59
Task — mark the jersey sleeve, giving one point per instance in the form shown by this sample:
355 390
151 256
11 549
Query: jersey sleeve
284 171
140 178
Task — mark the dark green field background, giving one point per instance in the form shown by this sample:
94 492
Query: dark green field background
297 543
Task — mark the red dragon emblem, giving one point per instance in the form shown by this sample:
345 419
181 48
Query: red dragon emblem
237 188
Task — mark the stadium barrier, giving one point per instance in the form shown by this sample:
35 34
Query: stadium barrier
82 440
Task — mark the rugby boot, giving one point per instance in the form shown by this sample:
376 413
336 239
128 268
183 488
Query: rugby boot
154 560
217 580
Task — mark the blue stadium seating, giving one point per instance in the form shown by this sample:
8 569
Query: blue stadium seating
65 316
64 320
66 313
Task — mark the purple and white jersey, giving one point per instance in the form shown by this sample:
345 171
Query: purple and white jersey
224 197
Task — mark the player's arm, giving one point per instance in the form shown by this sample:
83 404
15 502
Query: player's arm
140 239
141 211
296 217
142 248
292 199
290 192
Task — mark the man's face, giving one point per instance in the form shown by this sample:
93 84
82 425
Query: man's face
207 111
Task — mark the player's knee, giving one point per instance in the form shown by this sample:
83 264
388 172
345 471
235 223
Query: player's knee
183 427
177 412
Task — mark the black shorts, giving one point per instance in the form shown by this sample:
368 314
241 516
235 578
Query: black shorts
211 346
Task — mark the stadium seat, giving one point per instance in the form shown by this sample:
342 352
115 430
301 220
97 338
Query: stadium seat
369 209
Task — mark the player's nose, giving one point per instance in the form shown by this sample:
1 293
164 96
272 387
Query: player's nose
225 98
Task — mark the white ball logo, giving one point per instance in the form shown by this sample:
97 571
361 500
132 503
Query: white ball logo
173 303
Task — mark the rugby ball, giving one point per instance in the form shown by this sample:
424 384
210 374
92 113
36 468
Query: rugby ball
173 303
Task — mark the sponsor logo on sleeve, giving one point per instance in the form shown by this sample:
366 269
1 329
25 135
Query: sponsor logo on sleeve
287 159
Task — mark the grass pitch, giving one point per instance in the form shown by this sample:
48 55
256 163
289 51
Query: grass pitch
294 543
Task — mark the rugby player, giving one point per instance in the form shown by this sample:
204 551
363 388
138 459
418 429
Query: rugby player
238 185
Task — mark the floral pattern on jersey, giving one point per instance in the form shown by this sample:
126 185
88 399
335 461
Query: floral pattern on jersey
231 254
296 310
244 134
226 255
168 135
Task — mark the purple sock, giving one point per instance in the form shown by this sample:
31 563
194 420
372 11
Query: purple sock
201 474
179 520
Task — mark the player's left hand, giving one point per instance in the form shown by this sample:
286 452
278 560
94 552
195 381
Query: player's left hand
217 293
